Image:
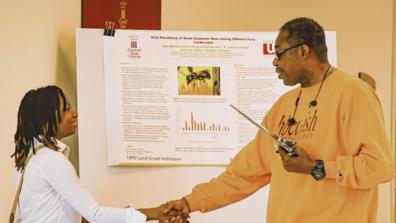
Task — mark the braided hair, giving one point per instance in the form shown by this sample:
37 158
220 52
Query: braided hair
38 116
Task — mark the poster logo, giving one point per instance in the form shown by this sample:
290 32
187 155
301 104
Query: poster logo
133 44
133 50
268 48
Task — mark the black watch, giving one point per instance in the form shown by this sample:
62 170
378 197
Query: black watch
318 172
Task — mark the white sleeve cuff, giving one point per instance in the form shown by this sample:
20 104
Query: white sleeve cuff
135 216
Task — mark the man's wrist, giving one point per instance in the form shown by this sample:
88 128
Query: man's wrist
187 204
311 165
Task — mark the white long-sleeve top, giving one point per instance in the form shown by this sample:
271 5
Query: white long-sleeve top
52 193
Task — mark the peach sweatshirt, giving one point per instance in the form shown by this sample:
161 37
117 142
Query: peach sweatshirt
346 131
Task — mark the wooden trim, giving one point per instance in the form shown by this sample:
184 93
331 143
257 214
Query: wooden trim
393 112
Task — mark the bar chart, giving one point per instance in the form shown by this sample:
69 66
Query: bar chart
194 125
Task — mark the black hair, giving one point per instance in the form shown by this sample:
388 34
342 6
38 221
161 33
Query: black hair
308 31
38 116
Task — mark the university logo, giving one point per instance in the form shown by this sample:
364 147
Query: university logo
268 48
133 44
134 52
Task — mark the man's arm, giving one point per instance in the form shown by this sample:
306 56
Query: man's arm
247 172
369 161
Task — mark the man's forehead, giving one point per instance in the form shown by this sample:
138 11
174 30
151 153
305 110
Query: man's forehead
281 39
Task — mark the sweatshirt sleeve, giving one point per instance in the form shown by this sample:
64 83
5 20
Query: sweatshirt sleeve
61 175
247 172
367 160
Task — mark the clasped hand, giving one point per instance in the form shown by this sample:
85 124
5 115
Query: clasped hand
176 211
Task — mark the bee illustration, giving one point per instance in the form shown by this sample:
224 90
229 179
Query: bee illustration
192 76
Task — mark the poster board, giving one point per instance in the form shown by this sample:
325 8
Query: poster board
168 93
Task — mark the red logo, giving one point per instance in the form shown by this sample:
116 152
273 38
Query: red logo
268 48
133 44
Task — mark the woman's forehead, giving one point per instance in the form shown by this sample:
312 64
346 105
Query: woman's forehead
63 101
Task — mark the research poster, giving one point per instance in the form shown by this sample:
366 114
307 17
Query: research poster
168 94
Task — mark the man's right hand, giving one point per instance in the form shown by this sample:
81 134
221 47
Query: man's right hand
180 206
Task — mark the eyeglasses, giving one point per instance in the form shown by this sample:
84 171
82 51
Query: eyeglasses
281 52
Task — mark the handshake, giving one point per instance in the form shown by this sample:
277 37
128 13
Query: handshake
176 211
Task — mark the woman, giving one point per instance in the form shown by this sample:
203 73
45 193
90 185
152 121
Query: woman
51 191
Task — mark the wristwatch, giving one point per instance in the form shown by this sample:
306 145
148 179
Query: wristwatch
318 172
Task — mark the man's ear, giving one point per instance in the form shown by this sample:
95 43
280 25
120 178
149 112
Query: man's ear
305 51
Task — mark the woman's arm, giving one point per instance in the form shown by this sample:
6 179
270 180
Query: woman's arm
61 175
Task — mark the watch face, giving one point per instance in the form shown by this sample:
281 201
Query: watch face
317 174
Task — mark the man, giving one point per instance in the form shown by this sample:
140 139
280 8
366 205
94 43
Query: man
342 149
